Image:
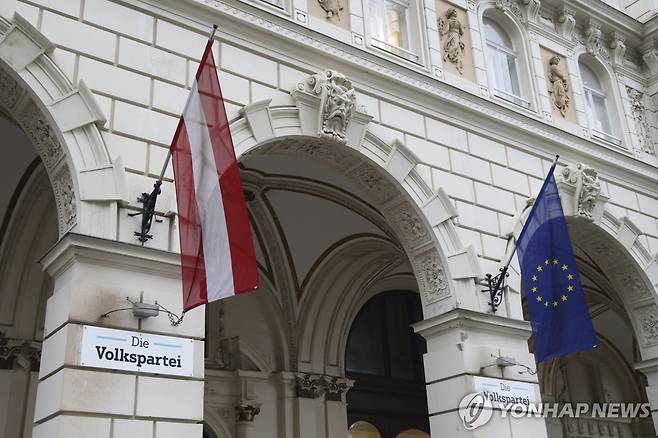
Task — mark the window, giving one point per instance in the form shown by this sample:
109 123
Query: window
384 357
597 106
503 62
390 27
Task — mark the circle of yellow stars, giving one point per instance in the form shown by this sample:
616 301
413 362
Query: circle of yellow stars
537 294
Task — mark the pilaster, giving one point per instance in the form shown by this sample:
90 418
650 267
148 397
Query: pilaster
462 345
94 276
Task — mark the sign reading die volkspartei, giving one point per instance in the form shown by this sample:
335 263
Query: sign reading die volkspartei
134 351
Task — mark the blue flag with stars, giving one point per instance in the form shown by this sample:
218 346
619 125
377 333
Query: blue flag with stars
561 323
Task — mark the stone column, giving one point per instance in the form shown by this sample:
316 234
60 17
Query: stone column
335 405
93 276
462 344
245 420
309 410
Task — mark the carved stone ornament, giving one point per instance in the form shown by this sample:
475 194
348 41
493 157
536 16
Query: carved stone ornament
411 226
566 21
10 91
246 413
588 188
331 7
433 277
65 196
337 102
371 178
559 89
647 318
336 387
641 122
19 354
451 31
592 40
309 385
524 10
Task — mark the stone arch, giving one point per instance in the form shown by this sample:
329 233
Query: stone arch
62 121
444 268
615 243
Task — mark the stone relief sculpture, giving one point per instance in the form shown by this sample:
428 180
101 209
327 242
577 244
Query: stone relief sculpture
331 7
452 30
337 102
641 121
588 188
559 86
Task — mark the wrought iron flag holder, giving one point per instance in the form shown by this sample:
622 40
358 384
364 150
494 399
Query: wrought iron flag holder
496 284
148 200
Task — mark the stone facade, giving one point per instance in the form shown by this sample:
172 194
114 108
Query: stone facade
447 166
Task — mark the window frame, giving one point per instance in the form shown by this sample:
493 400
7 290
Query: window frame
609 105
414 33
525 99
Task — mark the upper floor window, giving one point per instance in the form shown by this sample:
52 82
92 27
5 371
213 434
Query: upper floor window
391 27
596 98
504 63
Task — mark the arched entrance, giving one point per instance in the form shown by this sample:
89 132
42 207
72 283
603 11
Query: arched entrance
615 271
384 358
338 216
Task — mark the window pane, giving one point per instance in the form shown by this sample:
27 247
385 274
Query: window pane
365 346
396 20
590 80
377 19
601 114
399 331
513 76
495 34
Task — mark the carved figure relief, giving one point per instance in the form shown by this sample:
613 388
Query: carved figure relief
559 88
337 104
452 30
641 122
331 7
588 188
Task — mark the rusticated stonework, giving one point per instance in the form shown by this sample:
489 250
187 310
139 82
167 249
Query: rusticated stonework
432 276
588 188
412 228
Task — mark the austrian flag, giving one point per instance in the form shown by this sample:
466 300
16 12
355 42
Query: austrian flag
217 253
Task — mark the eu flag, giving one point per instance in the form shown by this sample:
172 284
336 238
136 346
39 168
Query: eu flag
561 323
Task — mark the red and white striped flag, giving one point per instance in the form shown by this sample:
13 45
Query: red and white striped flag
217 253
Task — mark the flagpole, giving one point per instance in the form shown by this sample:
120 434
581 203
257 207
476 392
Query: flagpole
166 163
495 283
148 200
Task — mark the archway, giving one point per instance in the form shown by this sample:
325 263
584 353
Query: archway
389 231
616 272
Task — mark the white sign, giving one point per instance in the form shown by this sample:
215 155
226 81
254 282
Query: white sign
134 351
504 392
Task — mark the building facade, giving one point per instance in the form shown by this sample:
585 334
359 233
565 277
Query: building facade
389 151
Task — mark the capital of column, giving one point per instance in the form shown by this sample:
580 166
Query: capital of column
246 413
315 385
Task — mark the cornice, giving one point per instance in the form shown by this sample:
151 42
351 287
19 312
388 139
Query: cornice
253 29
